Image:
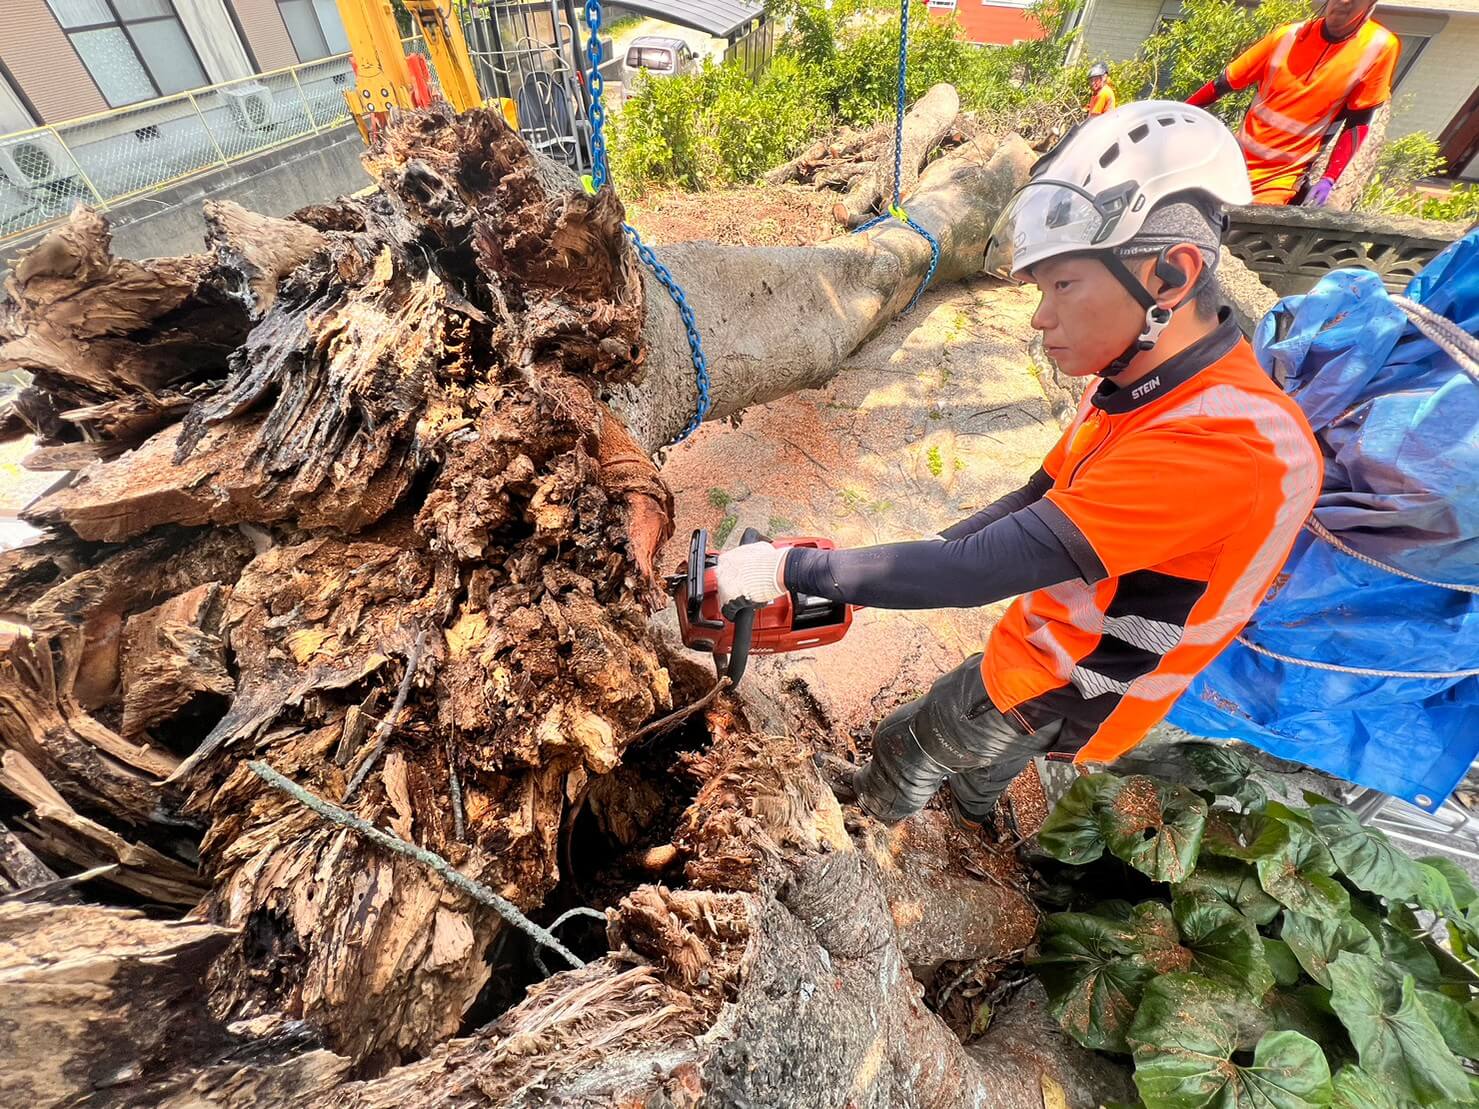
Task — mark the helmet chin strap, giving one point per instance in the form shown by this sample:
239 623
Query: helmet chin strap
1157 319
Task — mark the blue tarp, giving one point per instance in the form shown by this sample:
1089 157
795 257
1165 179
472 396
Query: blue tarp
1398 421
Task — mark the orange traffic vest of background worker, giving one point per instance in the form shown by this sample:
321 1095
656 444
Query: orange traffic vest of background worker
1316 81
1103 99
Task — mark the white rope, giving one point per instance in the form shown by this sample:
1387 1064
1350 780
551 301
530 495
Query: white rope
1316 528
1359 671
1453 340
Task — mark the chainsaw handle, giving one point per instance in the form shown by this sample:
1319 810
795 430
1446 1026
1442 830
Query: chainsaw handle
744 623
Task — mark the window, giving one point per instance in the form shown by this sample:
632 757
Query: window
134 49
315 28
656 58
1412 49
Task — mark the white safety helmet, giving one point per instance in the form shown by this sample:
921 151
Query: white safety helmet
1094 189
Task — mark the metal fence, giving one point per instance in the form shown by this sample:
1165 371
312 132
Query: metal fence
110 157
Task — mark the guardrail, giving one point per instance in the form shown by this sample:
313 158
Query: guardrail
111 157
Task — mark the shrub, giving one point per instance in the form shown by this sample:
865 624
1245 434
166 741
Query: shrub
1393 188
1245 952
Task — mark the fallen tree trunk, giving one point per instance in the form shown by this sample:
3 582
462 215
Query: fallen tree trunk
925 125
399 544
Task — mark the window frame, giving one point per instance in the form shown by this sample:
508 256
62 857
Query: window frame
123 25
329 51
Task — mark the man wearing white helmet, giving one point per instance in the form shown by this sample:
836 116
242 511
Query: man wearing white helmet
1154 526
1103 98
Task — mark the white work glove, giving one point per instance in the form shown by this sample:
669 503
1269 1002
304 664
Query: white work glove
752 571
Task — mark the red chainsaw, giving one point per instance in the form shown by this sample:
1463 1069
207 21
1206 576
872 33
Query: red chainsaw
791 622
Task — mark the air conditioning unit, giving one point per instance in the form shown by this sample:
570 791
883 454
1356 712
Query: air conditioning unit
251 106
35 161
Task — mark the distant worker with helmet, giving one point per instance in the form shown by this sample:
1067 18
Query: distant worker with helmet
1317 81
1153 528
1103 98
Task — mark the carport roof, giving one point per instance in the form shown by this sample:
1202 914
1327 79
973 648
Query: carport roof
719 18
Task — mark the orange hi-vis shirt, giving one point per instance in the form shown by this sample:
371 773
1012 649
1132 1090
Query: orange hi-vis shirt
1191 486
1304 83
1102 101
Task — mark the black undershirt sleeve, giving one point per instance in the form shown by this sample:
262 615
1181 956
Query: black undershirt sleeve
1018 553
1038 484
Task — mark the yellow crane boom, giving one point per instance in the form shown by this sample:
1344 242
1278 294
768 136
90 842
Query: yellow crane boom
385 79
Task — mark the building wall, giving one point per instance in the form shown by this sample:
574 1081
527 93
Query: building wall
1440 81
262 24
1114 29
44 65
996 23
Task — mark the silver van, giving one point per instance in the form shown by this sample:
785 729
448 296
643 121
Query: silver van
660 56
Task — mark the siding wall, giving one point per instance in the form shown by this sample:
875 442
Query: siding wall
995 23
43 63
1114 29
262 24
1442 79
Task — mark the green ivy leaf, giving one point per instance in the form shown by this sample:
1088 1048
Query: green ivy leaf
1296 870
1227 772
1156 827
1071 833
1156 938
1461 891
1370 860
1400 949
1395 1038
1224 945
1317 941
1306 1009
1454 1022
1093 975
1281 961
1234 883
1355 1089
1184 1037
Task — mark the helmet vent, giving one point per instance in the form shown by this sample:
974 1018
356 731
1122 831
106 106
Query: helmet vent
1139 133
1109 156
1167 121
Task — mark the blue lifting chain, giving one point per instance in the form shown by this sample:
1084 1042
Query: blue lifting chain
896 210
599 177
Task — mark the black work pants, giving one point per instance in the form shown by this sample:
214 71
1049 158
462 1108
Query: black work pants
952 734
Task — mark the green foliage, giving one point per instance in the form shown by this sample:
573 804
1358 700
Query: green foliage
1288 948
713 127
1186 53
835 65
933 460
1184 1038
1400 167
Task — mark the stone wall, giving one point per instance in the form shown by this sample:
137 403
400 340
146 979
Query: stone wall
1292 248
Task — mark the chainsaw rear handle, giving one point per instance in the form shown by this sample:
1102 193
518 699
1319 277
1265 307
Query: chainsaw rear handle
742 615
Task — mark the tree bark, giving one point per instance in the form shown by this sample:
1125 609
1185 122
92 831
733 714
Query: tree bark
394 532
925 125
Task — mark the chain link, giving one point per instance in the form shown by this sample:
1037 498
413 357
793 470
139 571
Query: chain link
896 210
600 177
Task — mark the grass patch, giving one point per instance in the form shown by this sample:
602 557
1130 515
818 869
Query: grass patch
933 460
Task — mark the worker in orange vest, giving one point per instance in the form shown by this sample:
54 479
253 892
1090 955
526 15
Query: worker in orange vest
1103 99
1317 81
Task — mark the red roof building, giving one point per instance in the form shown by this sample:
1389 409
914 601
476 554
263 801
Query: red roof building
989 23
